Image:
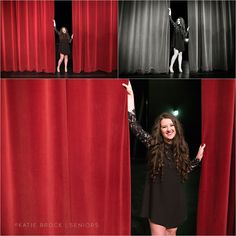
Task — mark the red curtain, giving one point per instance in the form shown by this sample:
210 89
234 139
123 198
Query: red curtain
65 157
217 186
27 36
94 26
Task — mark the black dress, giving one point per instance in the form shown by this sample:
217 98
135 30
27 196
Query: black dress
164 200
64 43
178 36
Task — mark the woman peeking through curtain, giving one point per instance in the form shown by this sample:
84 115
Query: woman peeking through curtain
64 45
164 202
179 38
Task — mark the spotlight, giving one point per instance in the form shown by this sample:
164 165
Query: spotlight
175 112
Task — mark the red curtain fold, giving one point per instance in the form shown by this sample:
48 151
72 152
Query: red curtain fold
27 36
216 203
65 157
94 25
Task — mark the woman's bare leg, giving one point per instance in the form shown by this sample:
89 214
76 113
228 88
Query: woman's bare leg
66 62
173 60
171 231
180 61
59 62
157 229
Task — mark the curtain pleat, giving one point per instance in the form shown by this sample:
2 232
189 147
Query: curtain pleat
94 26
212 35
215 203
144 39
27 36
65 158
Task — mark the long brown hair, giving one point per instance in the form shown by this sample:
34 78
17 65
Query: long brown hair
157 152
64 35
182 23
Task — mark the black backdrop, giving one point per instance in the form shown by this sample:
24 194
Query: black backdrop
180 9
63 17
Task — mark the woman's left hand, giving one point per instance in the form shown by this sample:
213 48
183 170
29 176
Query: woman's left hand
188 28
72 36
200 152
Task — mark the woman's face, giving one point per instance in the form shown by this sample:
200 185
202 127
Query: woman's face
168 130
63 30
178 21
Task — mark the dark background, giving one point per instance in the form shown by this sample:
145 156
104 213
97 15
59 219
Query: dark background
179 9
63 17
152 97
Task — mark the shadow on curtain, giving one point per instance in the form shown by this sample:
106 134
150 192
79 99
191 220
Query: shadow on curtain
65 158
94 26
144 38
27 36
212 35
216 203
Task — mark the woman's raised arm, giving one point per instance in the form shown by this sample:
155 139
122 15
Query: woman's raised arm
55 28
171 20
136 128
131 106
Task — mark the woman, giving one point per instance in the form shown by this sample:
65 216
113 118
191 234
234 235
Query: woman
164 201
178 41
64 47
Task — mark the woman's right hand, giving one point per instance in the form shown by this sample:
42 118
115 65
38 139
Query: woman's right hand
169 11
54 23
130 93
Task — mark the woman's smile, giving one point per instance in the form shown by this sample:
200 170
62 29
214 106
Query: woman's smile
168 130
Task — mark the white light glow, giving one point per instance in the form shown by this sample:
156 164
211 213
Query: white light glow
175 112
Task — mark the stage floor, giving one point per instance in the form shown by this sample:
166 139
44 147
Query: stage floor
185 75
200 75
69 75
114 74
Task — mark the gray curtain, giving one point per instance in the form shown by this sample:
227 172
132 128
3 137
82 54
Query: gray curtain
211 38
144 38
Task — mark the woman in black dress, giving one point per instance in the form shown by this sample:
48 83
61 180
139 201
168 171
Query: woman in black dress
178 40
164 201
64 45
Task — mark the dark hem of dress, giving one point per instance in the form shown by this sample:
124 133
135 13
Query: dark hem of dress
168 226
